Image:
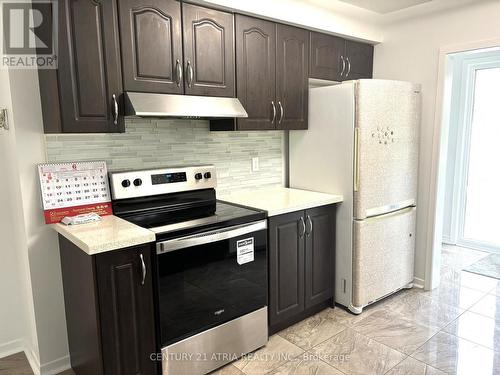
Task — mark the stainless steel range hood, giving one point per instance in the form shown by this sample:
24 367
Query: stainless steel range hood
140 104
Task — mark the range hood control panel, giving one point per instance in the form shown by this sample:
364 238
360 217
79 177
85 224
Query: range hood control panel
143 183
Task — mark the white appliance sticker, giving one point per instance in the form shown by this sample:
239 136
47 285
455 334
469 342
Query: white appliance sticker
244 250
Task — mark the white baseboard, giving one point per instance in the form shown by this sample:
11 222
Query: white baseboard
32 360
418 283
55 366
11 347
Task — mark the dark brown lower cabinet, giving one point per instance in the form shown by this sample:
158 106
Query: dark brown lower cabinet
301 265
109 310
286 266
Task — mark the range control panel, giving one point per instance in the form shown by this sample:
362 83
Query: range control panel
147 182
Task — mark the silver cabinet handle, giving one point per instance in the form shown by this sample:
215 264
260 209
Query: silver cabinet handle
115 110
309 221
274 112
282 113
190 73
179 72
143 269
343 65
303 229
348 67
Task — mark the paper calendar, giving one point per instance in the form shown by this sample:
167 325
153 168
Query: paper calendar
70 189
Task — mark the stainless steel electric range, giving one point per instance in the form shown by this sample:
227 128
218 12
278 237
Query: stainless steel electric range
210 265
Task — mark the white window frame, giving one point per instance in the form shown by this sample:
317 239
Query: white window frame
469 68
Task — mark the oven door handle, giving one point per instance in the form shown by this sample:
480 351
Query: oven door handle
209 237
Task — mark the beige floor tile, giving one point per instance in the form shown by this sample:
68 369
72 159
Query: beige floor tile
314 330
460 257
468 280
227 370
425 310
410 366
488 306
342 316
395 331
454 355
454 295
275 353
476 328
307 364
353 353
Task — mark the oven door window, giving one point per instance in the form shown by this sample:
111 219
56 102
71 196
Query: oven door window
206 285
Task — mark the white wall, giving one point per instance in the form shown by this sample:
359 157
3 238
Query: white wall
338 18
17 330
41 240
410 51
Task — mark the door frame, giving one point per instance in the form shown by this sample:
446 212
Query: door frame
435 208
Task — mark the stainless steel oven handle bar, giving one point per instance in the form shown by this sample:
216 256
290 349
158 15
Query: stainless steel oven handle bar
209 237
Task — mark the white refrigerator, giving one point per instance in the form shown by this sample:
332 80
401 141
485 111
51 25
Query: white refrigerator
362 142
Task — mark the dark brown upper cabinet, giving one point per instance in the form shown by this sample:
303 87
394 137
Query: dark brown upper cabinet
256 72
336 59
151 42
292 86
272 65
84 94
166 53
359 60
208 51
325 56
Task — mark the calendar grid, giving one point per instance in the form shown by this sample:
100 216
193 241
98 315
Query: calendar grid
74 188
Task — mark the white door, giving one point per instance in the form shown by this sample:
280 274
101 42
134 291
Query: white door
478 207
386 157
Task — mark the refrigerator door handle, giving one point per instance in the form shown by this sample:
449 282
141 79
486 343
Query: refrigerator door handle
356 159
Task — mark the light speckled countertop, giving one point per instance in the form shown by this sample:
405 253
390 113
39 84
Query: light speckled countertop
280 200
110 233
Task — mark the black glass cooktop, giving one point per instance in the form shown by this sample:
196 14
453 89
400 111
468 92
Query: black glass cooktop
184 213
195 219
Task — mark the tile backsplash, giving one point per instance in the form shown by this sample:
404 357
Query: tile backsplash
158 143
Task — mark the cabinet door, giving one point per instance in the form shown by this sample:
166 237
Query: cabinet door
320 255
292 70
89 74
256 72
208 51
151 41
286 266
324 57
126 311
360 63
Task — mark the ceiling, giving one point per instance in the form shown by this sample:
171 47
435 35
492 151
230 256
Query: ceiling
385 6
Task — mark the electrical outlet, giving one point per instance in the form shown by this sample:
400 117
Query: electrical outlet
255 164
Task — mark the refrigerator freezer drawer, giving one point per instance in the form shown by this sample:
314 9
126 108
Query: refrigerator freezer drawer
383 255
